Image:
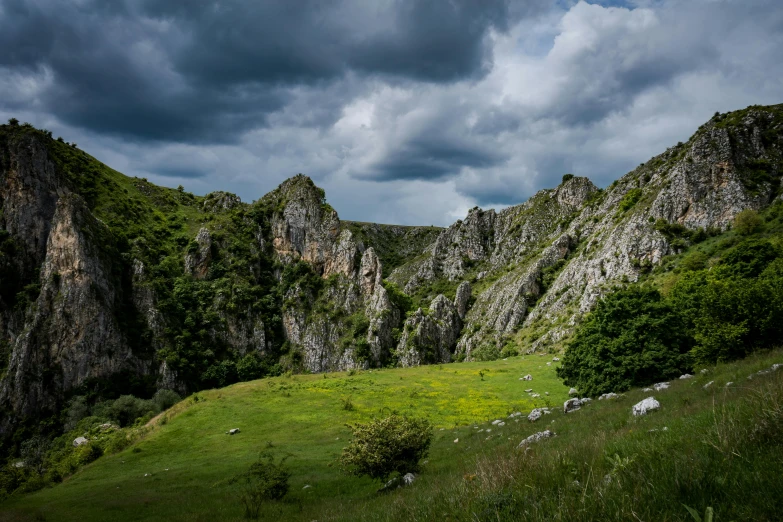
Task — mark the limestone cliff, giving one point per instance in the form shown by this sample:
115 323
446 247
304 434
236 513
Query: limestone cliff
114 283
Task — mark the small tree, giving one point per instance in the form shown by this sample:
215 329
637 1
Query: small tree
747 222
381 447
632 338
266 480
13 122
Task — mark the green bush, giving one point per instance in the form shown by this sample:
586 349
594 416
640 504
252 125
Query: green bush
630 199
731 316
266 481
395 444
632 338
165 399
747 222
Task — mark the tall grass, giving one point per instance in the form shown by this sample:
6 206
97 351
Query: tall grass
721 451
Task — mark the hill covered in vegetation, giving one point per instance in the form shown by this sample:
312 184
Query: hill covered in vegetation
113 289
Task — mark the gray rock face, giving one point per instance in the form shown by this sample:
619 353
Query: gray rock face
644 407
70 332
551 258
430 337
197 261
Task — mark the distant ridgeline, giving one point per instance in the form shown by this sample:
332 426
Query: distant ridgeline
111 285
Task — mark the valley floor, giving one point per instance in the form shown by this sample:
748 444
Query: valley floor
719 447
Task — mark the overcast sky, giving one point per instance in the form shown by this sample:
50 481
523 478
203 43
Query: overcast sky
405 111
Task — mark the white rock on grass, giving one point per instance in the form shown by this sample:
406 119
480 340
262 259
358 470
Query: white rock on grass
233 431
708 384
529 390
527 377
535 438
686 376
496 422
408 479
535 395
661 386
607 396
515 414
704 371
571 405
573 391
555 359
647 405
535 415
585 400
307 486
728 384
647 390
80 441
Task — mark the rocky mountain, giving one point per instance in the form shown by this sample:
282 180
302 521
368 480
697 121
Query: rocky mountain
110 284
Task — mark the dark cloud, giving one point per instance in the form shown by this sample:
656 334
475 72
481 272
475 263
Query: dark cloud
208 72
431 158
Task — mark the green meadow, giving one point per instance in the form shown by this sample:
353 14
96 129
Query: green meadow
182 468
715 444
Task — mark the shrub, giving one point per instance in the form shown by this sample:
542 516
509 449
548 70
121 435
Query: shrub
632 338
731 316
750 257
250 368
630 199
747 222
266 481
567 177
395 444
165 399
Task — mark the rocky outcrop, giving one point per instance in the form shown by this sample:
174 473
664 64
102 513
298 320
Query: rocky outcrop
92 287
541 265
431 336
71 333
200 254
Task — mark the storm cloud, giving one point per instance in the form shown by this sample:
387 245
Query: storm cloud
406 111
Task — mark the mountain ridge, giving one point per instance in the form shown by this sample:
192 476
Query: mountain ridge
114 285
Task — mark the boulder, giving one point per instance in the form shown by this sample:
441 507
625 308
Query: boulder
408 479
585 400
647 405
535 438
527 377
571 405
686 376
535 415
660 386
607 396
572 391
80 441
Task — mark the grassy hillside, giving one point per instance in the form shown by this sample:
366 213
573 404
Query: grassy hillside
301 415
717 447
